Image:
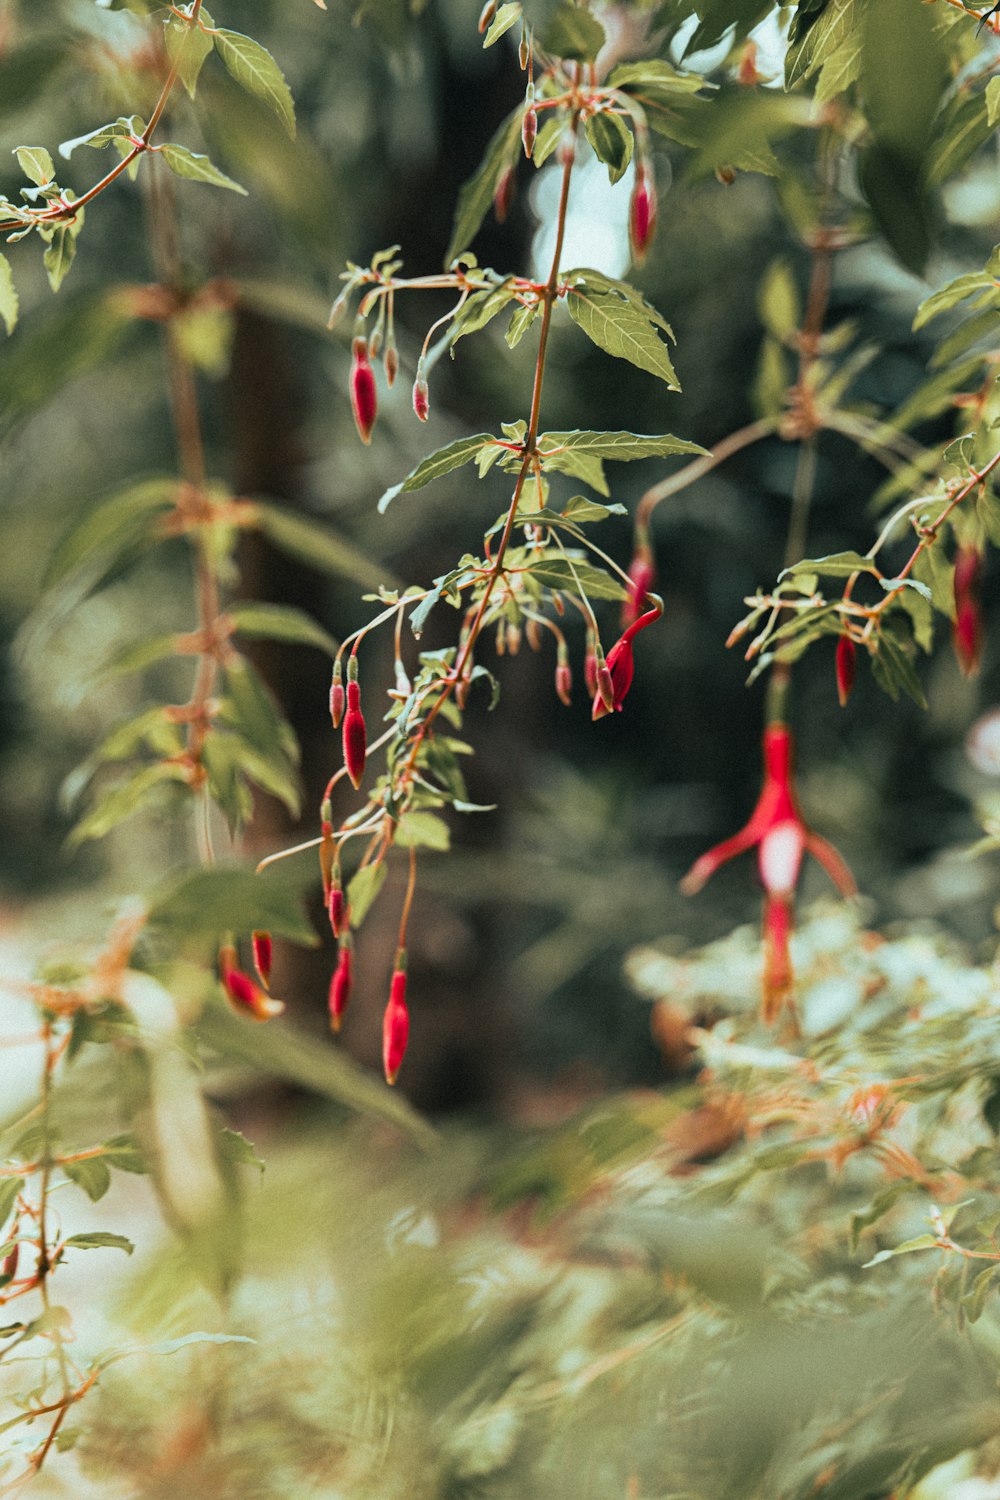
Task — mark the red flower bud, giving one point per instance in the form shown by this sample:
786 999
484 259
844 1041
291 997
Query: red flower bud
337 695
590 665
355 736
241 991
263 952
846 665
340 985
642 576
327 851
364 400
335 904
395 1023
503 196
642 212
967 632
529 129
486 15
564 678
421 399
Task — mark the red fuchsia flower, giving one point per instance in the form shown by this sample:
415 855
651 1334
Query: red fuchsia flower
846 666
355 734
642 212
263 953
967 631
364 401
421 395
395 1023
614 678
642 576
529 126
777 828
243 994
337 696
340 984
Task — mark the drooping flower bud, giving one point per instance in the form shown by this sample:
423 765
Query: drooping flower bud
364 401
967 631
263 953
327 846
503 196
590 664
529 122
335 903
564 676
523 49
395 1023
533 633
337 694
642 212
391 362
846 666
242 993
513 635
355 734
486 15
421 395
8 1268
642 576
340 984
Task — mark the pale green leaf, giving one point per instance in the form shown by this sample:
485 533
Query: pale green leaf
362 890
507 16
227 898
119 130
316 545
442 462
59 255
612 142
187 47
620 328
281 622
255 70
110 525
99 1240
572 32
196 167
422 830
8 295
36 164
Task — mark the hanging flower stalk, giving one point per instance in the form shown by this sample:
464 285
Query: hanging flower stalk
781 836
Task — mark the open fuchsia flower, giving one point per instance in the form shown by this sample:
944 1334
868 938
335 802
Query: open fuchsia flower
243 994
777 828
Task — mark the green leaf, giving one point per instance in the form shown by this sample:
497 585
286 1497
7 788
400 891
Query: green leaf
612 142
59 255
255 70
8 295
314 544
507 16
137 657
36 164
230 899
521 320
170 1346
580 509
480 309
953 293
476 195
196 167
620 328
835 565
779 302
566 576
362 890
281 622
110 525
119 130
123 1153
119 802
893 670
621 446
422 830
993 102
253 709
187 48
571 32
654 80
236 1148
921 1242
99 1240
9 1189
433 467
92 1175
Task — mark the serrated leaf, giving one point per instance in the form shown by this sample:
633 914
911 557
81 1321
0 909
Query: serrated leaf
59 255
480 309
921 1242
507 16
236 1148
362 890
119 130
423 830
621 446
99 1240
437 464
612 142
654 79
187 47
230 899
36 164
281 622
255 70
122 1152
835 565
313 543
953 293
8 295
92 1175
521 320
571 32
196 167
620 328
569 576
893 670
476 195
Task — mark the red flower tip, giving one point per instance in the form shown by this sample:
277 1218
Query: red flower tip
243 994
642 213
395 1024
778 976
421 399
564 681
642 576
340 985
263 953
364 400
355 736
846 666
335 905
336 698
